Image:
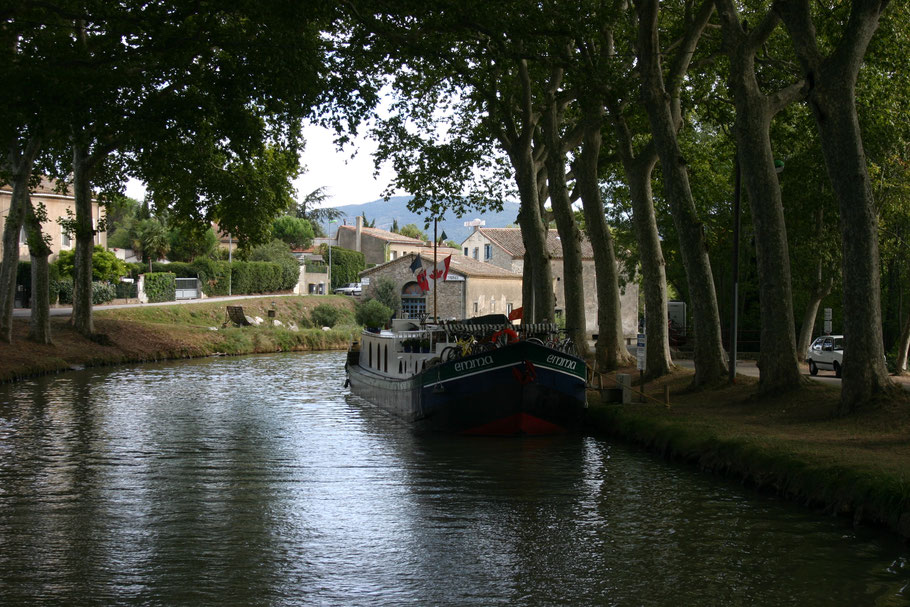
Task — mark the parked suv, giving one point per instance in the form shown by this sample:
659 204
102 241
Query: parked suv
352 288
826 352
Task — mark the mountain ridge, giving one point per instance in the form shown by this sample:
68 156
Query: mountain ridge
385 212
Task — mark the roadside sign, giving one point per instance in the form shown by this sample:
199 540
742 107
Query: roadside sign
828 321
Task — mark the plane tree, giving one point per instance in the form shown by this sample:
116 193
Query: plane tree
830 46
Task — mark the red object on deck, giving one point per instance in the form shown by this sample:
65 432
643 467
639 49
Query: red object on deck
516 313
520 423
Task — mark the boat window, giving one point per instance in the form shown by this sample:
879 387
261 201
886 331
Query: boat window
385 364
400 372
370 362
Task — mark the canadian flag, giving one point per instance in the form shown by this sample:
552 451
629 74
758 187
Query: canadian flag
422 281
441 271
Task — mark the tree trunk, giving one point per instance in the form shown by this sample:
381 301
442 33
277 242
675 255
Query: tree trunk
832 97
638 170
610 349
569 234
40 321
903 348
534 236
820 289
20 168
85 235
710 363
777 362
10 262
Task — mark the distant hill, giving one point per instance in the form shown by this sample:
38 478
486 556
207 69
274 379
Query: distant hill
385 212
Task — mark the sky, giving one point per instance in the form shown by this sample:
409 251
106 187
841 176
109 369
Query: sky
346 180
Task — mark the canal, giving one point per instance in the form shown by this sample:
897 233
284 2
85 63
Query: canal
261 481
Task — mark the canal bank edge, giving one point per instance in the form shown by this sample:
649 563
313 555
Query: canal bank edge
152 333
877 497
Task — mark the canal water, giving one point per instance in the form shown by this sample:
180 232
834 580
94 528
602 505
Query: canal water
261 481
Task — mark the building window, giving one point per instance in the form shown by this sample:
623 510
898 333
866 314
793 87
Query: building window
413 301
488 251
476 252
394 254
466 251
65 239
476 306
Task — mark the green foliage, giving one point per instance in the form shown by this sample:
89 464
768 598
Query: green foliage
386 291
278 252
150 239
105 265
297 233
161 286
179 269
373 314
214 276
412 231
188 242
64 287
325 315
346 264
103 292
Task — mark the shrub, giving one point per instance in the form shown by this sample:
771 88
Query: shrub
386 291
103 292
178 268
65 289
325 315
213 275
161 286
105 265
373 314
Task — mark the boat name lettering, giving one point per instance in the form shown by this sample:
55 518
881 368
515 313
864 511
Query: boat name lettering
467 365
559 361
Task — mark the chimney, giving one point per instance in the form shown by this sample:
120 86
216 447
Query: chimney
358 233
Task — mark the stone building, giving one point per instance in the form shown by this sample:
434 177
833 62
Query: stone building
504 248
472 288
56 204
379 246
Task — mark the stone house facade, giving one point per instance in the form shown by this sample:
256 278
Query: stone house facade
472 288
503 247
379 246
56 204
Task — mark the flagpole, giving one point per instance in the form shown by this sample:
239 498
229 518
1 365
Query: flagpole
436 279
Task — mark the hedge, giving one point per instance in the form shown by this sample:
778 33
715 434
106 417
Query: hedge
161 286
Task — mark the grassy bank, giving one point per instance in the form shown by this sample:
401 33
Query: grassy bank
158 332
791 444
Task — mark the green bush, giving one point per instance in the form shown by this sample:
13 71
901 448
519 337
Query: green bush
103 292
325 315
215 276
178 268
373 314
386 291
64 287
161 286
105 265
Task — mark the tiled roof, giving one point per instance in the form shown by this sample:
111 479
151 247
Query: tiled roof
45 186
384 235
465 266
509 239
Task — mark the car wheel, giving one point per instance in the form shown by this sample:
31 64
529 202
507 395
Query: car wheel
836 369
813 369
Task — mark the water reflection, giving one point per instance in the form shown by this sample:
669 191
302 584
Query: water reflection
259 480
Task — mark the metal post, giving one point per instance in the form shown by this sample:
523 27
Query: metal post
435 277
735 270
